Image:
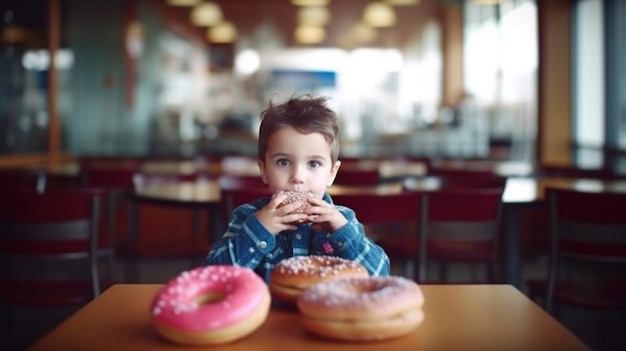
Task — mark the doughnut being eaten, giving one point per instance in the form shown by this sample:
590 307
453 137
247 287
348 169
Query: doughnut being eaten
293 275
211 305
295 196
362 309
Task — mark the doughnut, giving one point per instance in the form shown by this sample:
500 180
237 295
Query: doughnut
293 196
210 305
291 276
362 309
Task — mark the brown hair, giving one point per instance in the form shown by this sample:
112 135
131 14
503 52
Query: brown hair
306 114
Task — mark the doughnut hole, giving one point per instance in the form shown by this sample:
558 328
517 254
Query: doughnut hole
210 297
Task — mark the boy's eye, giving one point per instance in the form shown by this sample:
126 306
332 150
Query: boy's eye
283 162
314 164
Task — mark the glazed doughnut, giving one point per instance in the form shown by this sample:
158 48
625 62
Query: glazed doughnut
293 196
211 305
362 309
293 275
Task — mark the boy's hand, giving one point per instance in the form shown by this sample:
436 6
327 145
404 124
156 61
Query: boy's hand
276 219
324 216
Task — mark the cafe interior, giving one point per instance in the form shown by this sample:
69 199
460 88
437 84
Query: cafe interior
152 109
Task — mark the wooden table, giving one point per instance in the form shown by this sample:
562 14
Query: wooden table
457 317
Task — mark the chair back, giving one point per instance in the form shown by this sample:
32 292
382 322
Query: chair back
238 190
11 180
390 220
59 225
460 225
380 208
588 227
354 176
462 172
110 178
572 171
240 181
458 178
117 181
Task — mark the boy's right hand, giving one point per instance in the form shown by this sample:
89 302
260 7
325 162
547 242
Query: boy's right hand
277 218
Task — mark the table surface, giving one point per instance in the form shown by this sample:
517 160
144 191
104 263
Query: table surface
207 191
457 317
517 190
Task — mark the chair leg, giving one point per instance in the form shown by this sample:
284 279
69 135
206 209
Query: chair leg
11 336
493 273
443 272
196 224
131 263
408 269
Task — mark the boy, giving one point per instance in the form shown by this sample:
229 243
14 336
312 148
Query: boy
298 151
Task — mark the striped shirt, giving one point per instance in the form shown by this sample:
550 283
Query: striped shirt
247 243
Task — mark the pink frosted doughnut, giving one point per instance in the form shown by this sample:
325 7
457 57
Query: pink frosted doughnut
362 309
211 305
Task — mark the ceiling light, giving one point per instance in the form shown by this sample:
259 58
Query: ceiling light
309 34
247 62
183 2
363 33
310 2
206 14
224 32
313 16
379 14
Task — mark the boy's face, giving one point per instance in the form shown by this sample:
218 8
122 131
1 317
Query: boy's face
298 162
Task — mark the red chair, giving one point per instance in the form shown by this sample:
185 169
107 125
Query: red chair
241 181
468 178
390 220
161 229
20 179
588 241
44 238
569 171
116 181
238 190
460 226
357 177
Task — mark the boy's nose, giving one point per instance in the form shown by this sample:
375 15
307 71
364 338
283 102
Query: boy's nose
297 176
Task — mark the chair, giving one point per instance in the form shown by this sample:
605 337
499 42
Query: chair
355 176
43 239
588 241
460 226
116 181
468 178
572 171
390 220
163 228
237 190
20 179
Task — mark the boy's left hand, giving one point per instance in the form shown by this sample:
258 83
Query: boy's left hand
324 216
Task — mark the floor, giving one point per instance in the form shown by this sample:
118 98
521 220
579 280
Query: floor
600 330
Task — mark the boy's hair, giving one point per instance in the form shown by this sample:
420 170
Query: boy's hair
306 114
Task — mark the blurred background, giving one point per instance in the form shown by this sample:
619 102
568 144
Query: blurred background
531 80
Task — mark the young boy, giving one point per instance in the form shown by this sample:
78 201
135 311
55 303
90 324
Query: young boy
298 151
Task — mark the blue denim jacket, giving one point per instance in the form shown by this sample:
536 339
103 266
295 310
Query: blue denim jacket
247 243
